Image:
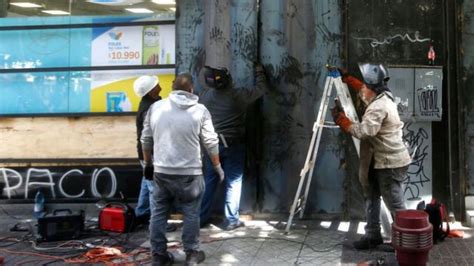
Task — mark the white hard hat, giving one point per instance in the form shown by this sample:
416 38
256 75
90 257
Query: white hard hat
144 85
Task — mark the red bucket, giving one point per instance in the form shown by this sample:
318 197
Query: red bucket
412 237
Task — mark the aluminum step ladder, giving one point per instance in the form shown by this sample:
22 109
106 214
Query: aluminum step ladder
333 80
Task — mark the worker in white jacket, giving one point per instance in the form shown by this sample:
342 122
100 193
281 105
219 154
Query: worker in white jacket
175 128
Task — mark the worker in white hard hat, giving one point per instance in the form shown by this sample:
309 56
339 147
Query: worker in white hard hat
148 88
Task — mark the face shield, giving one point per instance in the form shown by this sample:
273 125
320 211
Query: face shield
216 78
374 75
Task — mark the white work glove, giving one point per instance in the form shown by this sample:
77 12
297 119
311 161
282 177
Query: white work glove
220 172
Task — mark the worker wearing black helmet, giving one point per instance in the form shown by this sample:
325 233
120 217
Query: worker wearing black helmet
227 105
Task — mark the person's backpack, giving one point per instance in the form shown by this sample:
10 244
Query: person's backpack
437 215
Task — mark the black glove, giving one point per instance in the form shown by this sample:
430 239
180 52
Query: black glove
334 113
259 68
148 171
336 110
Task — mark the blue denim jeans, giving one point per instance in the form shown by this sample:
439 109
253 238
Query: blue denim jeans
184 190
232 160
145 197
388 184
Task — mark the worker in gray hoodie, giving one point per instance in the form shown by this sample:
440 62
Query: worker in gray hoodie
174 129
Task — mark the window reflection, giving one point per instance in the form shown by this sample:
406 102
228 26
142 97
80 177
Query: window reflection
84 47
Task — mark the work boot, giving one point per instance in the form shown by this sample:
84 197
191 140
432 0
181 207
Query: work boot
367 243
194 257
166 259
171 228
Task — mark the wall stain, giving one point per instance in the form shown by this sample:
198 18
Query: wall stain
196 21
244 40
280 37
216 35
287 71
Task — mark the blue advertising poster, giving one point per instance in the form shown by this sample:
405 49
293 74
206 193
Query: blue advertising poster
84 91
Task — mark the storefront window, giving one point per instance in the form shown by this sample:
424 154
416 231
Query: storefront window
85 58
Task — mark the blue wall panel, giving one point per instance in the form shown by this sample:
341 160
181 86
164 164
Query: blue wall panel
295 41
298 38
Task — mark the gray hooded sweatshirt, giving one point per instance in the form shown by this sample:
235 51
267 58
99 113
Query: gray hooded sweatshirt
174 128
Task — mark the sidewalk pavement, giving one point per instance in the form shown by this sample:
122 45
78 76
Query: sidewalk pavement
309 243
260 242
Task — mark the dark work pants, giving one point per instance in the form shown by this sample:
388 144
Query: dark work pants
175 188
388 184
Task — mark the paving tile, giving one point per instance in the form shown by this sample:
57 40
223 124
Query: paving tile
210 248
324 237
460 261
262 262
316 262
350 255
470 261
235 251
296 235
278 251
464 249
447 261
321 259
434 256
260 243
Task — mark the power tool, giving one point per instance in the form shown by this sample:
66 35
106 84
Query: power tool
116 217
62 224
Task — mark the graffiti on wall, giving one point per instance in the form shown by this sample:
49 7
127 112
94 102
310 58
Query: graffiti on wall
418 179
428 94
428 101
74 183
389 39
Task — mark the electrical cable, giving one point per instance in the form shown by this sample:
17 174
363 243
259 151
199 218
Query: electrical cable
27 253
76 246
94 255
9 239
73 247
59 247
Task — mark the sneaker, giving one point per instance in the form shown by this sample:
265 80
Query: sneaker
194 257
171 227
159 260
367 243
231 227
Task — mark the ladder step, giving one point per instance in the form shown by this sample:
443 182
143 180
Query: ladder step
298 210
320 123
